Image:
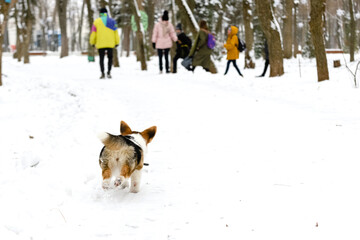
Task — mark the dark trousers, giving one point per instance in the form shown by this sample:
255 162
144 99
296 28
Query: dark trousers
265 68
109 52
177 56
236 67
164 52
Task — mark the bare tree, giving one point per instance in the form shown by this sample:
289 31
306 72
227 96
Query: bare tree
91 51
137 6
287 29
4 11
249 36
272 34
81 25
116 62
295 32
352 31
62 12
27 32
316 28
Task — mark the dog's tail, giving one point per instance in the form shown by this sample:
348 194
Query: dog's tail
110 141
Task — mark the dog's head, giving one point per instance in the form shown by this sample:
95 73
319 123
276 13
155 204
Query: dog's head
147 134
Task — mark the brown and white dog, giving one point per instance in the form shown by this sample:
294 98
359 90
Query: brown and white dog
123 156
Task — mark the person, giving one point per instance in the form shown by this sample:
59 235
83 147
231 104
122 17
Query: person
162 37
266 53
183 46
200 52
105 37
231 46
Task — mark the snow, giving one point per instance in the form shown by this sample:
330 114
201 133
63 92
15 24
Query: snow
251 158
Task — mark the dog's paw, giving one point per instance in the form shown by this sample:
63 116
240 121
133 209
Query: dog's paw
121 182
135 188
106 184
117 182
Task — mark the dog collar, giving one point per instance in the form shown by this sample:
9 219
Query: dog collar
132 139
138 149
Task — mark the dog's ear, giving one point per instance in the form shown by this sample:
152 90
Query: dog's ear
124 128
149 134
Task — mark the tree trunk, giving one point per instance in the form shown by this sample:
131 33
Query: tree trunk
126 41
264 9
287 33
91 50
316 28
4 11
173 48
352 31
81 24
115 50
295 42
249 37
139 35
28 32
62 12
43 17
151 20
18 54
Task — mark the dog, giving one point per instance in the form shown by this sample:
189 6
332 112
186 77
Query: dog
123 156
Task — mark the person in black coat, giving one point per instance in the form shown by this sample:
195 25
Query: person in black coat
183 46
266 52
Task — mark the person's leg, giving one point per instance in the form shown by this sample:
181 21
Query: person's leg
160 54
102 55
227 67
175 63
265 68
236 67
167 60
110 60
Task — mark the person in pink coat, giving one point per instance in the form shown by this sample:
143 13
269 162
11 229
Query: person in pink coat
162 38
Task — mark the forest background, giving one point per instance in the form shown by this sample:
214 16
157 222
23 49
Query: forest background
308 27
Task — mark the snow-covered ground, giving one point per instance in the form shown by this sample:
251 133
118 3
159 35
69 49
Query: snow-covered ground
233 158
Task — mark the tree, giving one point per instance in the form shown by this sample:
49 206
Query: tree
249 36
287 29
140 34
115 50
91 51
295 42
62 10
352 31
272 34
4 17
27 31
316 28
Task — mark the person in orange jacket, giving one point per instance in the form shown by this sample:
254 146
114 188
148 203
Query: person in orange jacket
105 37
231 46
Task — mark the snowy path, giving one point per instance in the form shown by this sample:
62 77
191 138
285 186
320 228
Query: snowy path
233 158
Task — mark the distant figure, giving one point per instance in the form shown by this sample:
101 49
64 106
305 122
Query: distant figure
183 46
105 37
200 52
162 38
266 53
231 46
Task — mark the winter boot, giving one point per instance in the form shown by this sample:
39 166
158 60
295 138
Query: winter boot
102 76
108 75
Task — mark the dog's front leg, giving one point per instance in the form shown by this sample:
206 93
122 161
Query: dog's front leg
135 181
